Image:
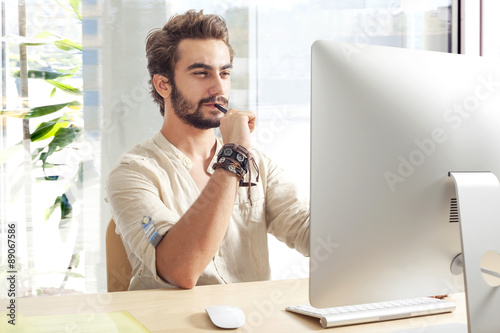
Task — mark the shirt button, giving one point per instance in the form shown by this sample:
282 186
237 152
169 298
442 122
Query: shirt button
179 156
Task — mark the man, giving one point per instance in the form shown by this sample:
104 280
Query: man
191 208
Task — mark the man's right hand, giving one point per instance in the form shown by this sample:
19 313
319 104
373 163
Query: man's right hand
236 127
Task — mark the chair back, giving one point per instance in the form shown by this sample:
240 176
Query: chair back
119 271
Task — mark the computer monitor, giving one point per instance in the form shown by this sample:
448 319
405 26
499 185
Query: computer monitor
387 126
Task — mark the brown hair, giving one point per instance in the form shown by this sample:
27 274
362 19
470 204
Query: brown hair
162 44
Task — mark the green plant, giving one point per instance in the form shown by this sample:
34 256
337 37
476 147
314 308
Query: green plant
58 125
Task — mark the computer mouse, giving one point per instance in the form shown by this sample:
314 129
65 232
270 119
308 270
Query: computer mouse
226 316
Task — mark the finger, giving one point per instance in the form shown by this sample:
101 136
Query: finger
251 123
250 114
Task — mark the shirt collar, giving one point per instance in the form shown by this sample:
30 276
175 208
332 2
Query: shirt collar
177 155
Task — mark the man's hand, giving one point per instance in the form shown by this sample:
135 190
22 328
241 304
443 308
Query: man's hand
236 127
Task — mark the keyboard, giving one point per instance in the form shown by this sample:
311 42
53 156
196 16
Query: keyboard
373 312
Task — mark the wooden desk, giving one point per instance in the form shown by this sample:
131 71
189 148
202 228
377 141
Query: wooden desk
183 310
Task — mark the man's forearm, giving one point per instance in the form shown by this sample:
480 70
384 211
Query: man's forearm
192 242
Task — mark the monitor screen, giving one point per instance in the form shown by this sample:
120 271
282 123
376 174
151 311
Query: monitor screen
387 126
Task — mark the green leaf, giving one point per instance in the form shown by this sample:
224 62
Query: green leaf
80 172
76 260
46 34
53 92
62 138
44 110
30 41
35 153
51 209
48 129
48 109
44 38
32 74
46 165
67 45
71 70
77 7
66 208
47 178
65 87
75 275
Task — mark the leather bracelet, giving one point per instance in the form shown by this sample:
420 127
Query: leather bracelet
236 159
238 171
234 152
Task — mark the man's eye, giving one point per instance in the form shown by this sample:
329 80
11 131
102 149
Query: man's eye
225 74
201 73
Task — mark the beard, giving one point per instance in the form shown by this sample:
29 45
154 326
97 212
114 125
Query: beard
197 119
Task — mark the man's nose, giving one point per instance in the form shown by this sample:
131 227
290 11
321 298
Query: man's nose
217 88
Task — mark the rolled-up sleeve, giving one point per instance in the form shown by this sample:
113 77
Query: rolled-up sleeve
133 193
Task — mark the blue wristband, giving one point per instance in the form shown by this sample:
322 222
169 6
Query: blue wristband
149 229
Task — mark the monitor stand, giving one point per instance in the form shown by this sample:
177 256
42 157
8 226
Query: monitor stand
478 196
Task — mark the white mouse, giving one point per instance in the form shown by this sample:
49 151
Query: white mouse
226 316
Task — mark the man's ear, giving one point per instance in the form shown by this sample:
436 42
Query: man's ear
162 85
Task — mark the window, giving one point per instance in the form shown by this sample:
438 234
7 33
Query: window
41 122
272 40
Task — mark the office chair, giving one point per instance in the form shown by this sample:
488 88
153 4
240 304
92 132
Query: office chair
119 271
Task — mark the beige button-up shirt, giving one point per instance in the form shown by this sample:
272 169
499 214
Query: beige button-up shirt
153 180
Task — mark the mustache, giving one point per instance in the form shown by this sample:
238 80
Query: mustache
214 99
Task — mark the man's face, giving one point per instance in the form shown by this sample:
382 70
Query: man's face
202 78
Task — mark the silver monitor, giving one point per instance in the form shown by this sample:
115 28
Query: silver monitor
387 126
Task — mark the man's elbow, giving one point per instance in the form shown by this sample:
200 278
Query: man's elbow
179 279
186 284
174 271
183 280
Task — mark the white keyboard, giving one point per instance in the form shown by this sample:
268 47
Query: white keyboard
372 312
